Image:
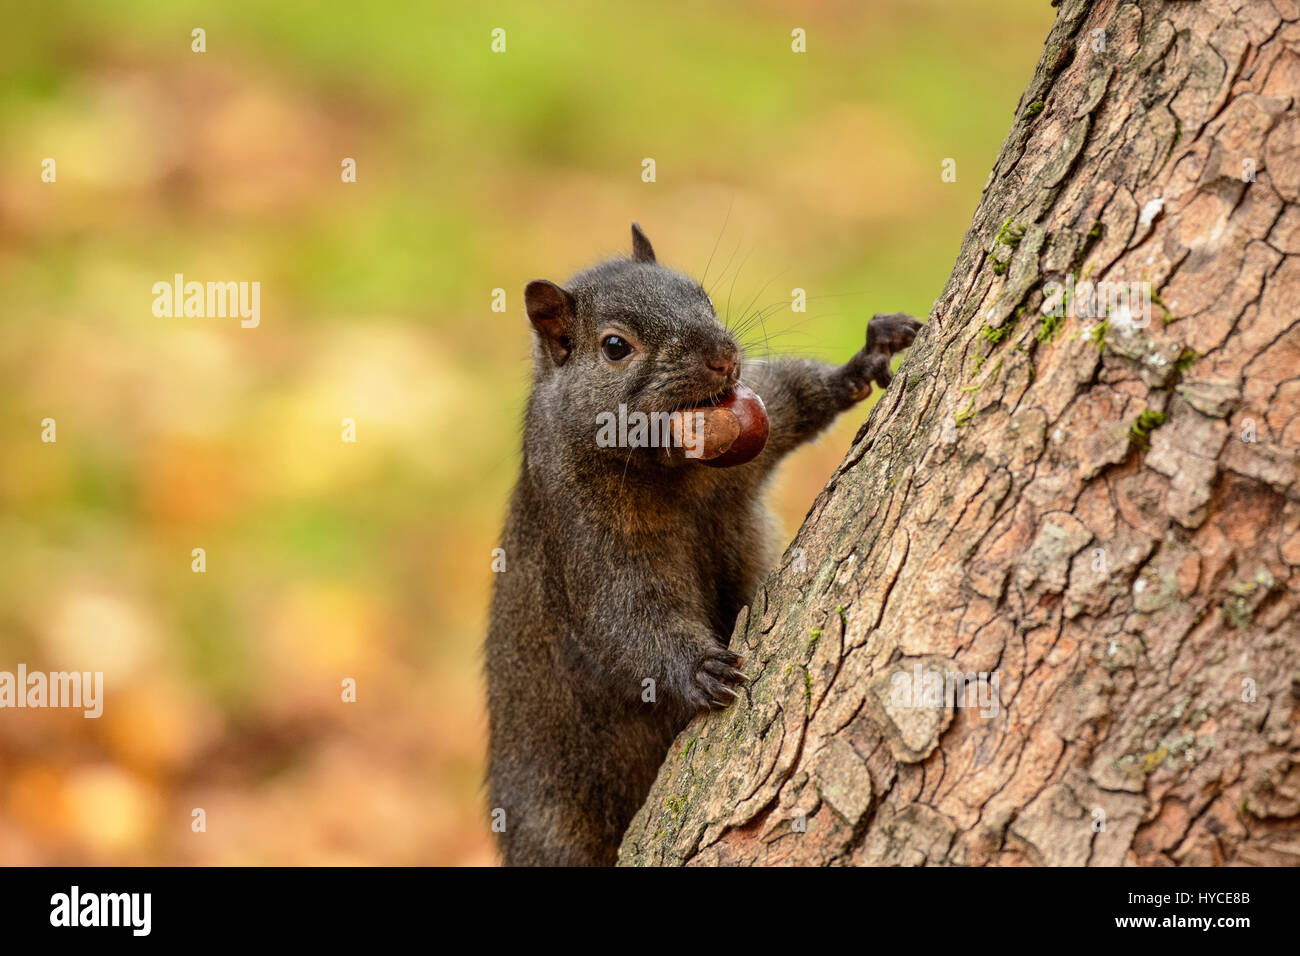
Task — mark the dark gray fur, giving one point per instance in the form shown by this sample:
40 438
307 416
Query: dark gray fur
627 565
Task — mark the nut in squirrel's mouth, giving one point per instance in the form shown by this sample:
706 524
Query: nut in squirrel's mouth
717 398
728 429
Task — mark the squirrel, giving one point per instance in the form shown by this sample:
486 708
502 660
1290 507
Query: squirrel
627 567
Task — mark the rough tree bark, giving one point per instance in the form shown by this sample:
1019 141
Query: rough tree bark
1078 510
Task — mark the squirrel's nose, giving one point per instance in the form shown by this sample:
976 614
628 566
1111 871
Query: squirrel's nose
723 362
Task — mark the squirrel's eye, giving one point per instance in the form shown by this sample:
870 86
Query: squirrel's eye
615 349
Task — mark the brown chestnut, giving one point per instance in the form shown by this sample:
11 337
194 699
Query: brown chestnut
730 430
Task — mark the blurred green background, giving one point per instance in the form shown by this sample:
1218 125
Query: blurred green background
475 171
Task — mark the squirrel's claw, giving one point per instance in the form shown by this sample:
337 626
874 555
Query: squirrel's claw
726 672
715 672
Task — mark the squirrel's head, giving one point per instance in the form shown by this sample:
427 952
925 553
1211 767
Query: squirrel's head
628 332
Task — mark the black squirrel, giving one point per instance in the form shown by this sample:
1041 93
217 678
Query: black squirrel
626 567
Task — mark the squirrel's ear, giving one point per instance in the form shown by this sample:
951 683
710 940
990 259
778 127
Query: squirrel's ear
642 251
551 310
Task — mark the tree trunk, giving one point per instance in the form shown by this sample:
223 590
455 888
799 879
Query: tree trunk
1101 518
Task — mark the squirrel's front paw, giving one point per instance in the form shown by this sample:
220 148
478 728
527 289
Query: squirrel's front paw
886 334
715 675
